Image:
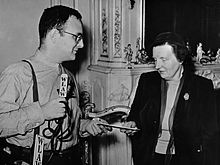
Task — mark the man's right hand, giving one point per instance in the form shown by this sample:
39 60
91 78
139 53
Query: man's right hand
55 108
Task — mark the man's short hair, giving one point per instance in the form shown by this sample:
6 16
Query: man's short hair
55 17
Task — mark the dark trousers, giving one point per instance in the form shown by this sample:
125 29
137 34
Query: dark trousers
159 159
71 156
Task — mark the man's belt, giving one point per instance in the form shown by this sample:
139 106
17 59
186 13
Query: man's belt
14 153
18 149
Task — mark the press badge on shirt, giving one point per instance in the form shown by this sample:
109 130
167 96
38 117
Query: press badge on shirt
38 150
63 85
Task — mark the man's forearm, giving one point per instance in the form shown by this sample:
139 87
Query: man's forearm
21 120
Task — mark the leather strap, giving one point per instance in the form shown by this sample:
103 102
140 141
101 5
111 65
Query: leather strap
35 99
35 88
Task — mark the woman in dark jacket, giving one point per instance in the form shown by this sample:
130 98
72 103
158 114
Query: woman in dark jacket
174 110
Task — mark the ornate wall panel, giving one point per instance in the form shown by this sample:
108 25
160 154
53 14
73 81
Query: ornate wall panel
70 3
119 26
117 33
110 87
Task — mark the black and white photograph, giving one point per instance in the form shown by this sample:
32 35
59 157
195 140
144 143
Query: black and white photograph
109 82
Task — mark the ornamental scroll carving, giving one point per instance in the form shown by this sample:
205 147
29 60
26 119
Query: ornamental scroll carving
215 77
104 34
117 34
121 94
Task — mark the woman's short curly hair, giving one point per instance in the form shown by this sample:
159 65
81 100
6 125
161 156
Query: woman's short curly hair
174 40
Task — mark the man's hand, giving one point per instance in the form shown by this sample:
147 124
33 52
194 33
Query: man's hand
54 109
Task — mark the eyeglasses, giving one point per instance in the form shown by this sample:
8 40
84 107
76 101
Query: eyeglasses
77 38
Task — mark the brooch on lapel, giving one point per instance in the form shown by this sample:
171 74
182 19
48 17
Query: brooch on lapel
186 96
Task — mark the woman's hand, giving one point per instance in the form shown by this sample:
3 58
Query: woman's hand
95 127
129 124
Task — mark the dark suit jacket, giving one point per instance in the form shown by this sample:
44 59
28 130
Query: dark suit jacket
194 126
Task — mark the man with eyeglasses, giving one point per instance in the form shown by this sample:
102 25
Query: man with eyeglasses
28 110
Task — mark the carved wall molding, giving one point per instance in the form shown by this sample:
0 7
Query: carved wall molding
104 36
111 87
211 72
117 33
115 25
70 3
118 26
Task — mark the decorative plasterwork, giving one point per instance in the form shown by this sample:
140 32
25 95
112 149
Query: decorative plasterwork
104 27
117 34
128 55
85 86
215 77
132 2
70 3
138 43
120 94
